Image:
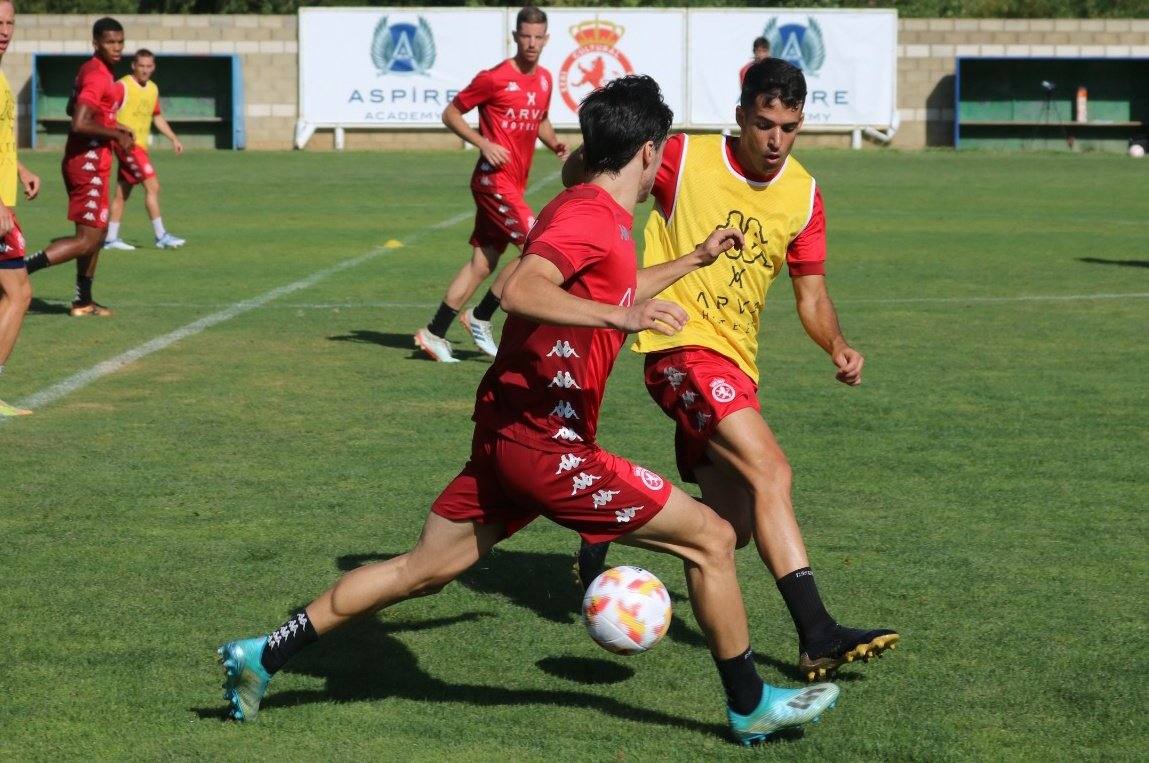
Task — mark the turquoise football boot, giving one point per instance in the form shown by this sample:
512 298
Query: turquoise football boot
782 708
246 679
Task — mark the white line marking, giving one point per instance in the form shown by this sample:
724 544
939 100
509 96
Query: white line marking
82 379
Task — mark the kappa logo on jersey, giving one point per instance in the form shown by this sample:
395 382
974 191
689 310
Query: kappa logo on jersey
566 434
562 349
569 461
564 409
688 398
513 87
649 478
803 46
403 48
674 376
595 62
502 207
721 390
701 420
565 380
603 497
627 514
582 481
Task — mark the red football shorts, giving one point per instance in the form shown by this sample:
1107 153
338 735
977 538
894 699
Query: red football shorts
500 219
597 494
86 179
697 388
12 246
135 165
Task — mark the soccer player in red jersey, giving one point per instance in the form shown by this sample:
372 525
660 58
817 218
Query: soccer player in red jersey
87 165
573 298
513 99
706 376
761 51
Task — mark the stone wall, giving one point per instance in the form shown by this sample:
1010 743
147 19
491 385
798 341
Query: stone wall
269 49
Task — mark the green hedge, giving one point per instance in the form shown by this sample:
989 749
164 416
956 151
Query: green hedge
908 8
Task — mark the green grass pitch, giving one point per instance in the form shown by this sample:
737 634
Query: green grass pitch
984 491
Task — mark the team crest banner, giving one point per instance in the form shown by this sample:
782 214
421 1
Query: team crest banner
591 47
391 67
849 59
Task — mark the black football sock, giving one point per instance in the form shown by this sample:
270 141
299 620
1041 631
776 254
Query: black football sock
487 307
810 617
741 681
286 640
442 320
37 261
83 290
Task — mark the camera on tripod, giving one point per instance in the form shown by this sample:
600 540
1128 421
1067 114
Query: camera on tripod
1048 87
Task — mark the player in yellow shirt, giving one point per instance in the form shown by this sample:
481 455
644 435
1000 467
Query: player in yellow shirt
706 376
15 288
140 110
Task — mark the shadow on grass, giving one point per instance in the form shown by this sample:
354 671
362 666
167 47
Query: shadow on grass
1123 263
47 308
400 342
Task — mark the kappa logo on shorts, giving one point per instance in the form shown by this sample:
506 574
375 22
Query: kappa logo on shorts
94 193
701 420
97 181
627 514
649 478
565 380
566 434
91 205
603 497
721 390
503 209
564 409
674 376
88 167
582 481
569 461
93 143
91 155
89 217
688 398
562 349
484 180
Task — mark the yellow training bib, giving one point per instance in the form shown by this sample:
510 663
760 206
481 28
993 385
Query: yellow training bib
8 175
725 299
138 109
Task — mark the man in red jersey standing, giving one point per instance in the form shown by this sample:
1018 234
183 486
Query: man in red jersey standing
571 302
513 99
87 165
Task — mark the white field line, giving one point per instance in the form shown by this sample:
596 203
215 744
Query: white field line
79 380
876 301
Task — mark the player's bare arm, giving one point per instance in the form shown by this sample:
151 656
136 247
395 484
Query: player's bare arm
652 280
495 154
551 140
820 319
86 121
167 131
29 180
534 292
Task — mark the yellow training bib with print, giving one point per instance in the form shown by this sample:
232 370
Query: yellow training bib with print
139 107
8 175
724 300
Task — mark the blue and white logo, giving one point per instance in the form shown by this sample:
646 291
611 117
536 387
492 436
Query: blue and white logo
403 48
803 46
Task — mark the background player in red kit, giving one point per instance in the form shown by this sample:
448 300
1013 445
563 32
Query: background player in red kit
512 99
571 301
87 164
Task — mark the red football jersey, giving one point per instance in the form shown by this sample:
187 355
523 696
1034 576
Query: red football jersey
97 88
511 106
547 383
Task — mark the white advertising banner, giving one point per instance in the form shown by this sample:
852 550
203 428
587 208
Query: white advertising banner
590 47
849 59
390 67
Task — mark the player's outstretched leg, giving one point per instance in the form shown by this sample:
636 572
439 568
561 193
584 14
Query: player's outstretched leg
444 551
748 482
705 543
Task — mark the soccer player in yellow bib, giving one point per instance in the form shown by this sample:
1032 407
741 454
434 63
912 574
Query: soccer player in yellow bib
706 376
15 288
141 109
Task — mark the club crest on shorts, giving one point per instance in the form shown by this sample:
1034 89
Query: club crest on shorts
721 390
649 478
